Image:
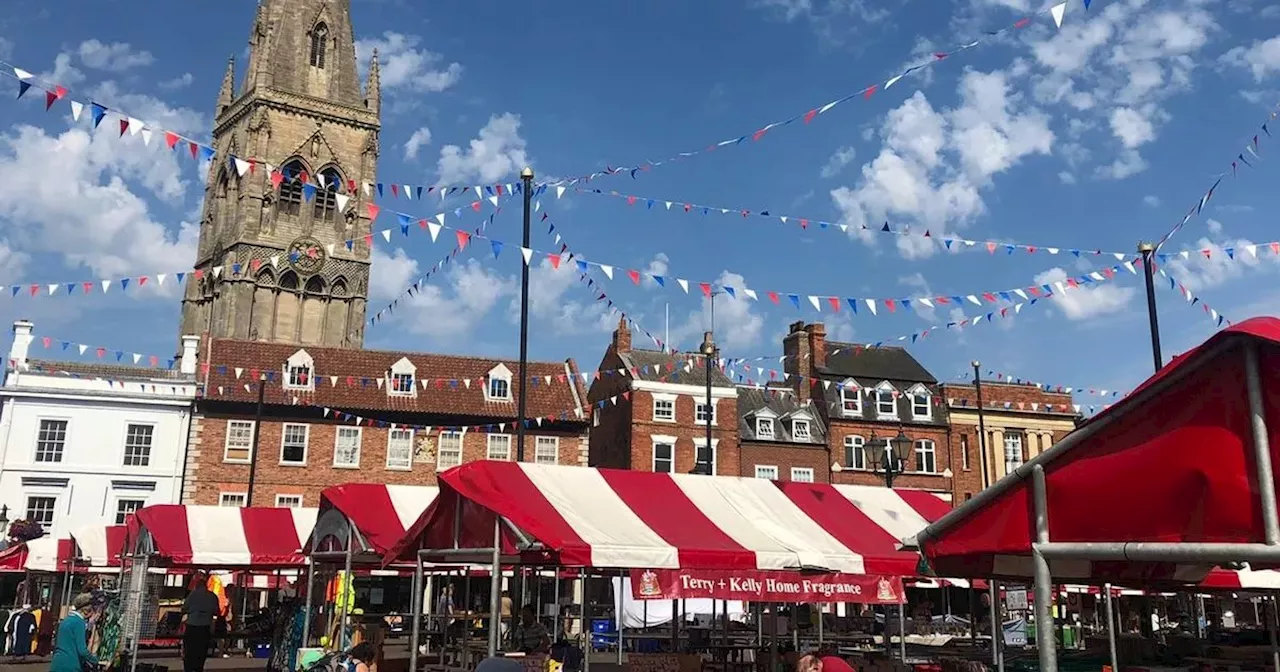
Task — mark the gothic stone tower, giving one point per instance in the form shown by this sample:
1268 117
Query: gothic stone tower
299 108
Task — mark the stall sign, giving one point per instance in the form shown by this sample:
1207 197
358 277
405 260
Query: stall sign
764 586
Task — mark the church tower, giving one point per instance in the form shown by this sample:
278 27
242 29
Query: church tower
275 260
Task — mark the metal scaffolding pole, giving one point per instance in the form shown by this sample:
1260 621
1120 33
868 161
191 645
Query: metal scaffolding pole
1045 640
1111 630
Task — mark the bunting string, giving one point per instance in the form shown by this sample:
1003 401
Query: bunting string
1218 318
951 243
97 352
203 151
1056 12
1010 379
1251 148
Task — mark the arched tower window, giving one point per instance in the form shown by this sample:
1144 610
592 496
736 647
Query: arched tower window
326 197
315 285
291 187
319 41
289 281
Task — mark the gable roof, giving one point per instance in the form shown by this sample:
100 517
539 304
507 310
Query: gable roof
848 360
658 366
781 402
555 388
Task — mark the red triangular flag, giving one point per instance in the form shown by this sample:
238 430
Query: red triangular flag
373 211
476 206
706 288
635 276
171 139
555 261
124 126
193 148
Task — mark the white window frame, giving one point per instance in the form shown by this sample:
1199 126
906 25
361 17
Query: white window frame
761 431
66 439
1012 438
797 472
403 368
337 435
226 442
498 373
142 503
916 394
922 448
404 466
224 496
488 447
701 405
57 504
306 444
661 440
702 442
282 499
299 360
462 438
859 444
848 393
767 469
124 461
540 442
886 389
665 398
796 433
964 451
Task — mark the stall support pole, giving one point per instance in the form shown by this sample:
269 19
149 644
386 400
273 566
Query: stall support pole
416 602
586 622
622 608
306 614
820 637
675 626
1045 640
1272 617
495 590
997 627
1111 630
973 616
1261 446
347 586
902 626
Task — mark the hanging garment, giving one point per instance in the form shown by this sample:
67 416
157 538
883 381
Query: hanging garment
10 626
44 632
24 630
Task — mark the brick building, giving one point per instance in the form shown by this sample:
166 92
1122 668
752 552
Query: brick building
659 420
334 415
1021 422
867 396
780 438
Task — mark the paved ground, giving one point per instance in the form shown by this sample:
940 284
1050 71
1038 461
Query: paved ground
171 659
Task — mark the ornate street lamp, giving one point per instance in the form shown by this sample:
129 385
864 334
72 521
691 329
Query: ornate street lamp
888 457
709 355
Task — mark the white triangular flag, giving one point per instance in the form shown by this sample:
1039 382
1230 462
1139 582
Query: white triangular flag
342 200
892 81
1057 11
217 271
380 383
440 218
816 306
408 191
106 285
527 254
135 125
76 108
275 261
684 284
608 271
239 372
83 348
386 235
160 278
434 230
751 294
146 137
22 74
242 166
871 305
466 382
494 201
560 192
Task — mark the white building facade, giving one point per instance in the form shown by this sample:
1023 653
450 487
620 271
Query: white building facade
84 444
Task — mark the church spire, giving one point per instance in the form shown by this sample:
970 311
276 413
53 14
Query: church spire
373 86
227 93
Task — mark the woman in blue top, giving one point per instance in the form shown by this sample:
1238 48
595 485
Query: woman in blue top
71 649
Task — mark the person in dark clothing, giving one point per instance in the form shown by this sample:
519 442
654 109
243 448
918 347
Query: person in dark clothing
197 614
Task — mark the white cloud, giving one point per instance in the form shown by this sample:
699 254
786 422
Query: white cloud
497 152
420 137
1214 226
1198 272
843 157
455 302
114 57
176 83
1262 58
933 164
1084 302
390 274
547 303
13 264
1151 200
1131 127
657 266
6 48
738 326
833 20
403 65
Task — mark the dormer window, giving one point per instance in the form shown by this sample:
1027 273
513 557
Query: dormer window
319 42
498 385
921 403
764 428
850 399
298 370
800 430
400 378
886 401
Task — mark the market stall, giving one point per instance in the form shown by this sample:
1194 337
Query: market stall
100 546
1156 490
669 525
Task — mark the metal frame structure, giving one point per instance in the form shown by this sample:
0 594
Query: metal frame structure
1043 549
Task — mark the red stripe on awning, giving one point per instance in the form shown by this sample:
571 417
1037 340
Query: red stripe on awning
271 536
851 527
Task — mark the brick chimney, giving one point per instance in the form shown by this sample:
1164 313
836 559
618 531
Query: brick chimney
622 336
795 349
817 346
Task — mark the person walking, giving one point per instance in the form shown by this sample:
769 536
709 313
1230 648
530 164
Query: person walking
71 647
197 615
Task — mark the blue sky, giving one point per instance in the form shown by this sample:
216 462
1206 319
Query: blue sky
1093 136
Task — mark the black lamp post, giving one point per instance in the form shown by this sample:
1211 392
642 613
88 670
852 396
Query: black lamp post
709 355
887 457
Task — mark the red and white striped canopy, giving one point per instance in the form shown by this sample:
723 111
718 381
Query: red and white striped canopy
379 513
100 546
46 554
217 536
1242 579
609 518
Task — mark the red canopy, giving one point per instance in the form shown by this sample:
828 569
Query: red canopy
1172 462
379 513
219 536
45 554
608 518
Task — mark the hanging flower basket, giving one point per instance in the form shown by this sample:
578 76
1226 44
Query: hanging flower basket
25 530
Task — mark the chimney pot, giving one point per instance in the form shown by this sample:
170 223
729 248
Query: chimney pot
22 337
190 348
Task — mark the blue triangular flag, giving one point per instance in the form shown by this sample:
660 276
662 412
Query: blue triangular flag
97 112
497 247
22 87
